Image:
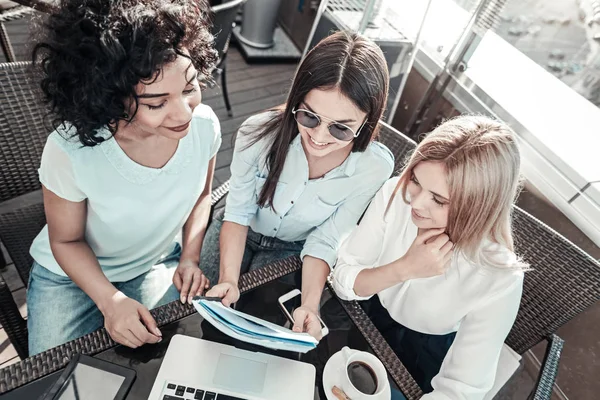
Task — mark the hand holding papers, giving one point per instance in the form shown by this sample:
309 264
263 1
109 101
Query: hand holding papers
247 328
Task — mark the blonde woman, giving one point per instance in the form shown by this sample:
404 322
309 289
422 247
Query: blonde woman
436 247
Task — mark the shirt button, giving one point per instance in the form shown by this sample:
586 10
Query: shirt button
292 201
274 229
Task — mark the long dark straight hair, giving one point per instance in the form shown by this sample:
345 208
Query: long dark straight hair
347 61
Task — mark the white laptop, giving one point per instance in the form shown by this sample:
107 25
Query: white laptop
196 369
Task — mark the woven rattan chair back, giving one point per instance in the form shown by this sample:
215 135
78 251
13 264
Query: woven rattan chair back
564 281
23 132
400 145
22 138
19 226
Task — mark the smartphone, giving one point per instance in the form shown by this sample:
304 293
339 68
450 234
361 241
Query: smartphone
292 300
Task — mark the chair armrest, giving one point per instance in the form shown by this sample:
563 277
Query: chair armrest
549 369
403 379
219 193
12 321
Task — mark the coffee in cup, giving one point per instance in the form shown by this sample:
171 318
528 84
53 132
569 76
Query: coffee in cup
362 377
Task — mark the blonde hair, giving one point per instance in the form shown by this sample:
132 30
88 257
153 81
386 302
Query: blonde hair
482 162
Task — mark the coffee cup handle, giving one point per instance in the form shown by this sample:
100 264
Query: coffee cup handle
346 353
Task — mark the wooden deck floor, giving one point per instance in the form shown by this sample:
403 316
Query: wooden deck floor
252 88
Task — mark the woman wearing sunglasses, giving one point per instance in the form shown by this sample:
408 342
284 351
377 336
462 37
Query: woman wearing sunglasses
302 175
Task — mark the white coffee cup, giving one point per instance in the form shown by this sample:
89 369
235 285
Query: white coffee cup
350 356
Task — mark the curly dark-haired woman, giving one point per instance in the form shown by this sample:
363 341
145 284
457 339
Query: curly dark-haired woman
128 168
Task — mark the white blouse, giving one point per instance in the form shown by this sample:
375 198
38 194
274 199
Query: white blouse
479 303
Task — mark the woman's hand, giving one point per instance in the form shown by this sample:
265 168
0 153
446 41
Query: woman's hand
306 320
129 322
227 291
189 280
428 255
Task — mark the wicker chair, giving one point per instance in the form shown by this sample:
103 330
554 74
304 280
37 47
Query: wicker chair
564 281
22 138
22 133
400 145
12 11
21 219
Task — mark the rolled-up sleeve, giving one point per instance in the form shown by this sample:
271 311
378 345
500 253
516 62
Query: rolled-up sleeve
361 249
241 201
324 241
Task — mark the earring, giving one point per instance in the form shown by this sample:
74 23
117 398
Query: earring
125 116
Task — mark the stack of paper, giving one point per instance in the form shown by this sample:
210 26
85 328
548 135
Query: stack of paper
254 330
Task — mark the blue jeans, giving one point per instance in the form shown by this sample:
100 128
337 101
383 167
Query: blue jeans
59 311
259 251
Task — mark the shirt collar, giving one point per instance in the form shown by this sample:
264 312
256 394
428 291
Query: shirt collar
350 162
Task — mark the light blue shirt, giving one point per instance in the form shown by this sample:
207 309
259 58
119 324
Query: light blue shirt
321 211
134 213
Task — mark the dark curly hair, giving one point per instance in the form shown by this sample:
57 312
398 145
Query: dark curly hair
90 55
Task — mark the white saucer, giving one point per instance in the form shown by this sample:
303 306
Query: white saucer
334 368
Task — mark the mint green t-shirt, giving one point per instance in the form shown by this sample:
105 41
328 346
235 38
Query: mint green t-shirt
134 213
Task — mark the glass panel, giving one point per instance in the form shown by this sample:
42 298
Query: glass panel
562 36
444 23
549 82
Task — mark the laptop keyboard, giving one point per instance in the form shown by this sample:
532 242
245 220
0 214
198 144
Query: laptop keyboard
179 392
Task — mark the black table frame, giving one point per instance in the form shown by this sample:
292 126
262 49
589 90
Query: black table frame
52 360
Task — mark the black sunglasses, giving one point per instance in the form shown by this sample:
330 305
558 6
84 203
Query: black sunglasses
338 130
